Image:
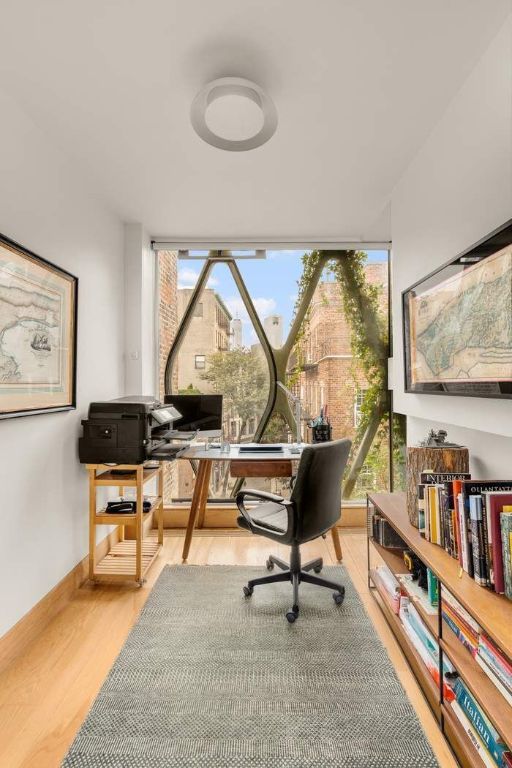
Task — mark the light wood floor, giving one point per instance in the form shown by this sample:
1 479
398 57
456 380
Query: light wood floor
45 695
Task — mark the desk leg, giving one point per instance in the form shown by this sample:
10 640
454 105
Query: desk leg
198 504
337 544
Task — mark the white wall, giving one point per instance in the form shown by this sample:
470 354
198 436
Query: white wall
43 488
457 189
140 320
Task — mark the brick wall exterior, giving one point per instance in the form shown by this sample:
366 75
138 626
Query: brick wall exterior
168 325
331 375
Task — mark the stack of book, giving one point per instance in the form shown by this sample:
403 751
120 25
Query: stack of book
484 737
388 586
495 665
462 624
472 521
426 645
486 653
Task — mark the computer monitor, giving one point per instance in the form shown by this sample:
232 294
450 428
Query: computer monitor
203 412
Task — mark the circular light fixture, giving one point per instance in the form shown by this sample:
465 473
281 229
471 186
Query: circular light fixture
234 114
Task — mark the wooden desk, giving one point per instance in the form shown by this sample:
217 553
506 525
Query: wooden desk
242 465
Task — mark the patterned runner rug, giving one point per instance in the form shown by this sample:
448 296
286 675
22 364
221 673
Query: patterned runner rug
211 679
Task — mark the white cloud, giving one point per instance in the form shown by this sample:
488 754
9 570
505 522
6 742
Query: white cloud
187 278
263 306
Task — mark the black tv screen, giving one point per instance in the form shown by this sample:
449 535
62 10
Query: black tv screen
457 323
203 412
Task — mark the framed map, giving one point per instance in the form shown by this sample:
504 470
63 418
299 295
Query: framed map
38 303
458 323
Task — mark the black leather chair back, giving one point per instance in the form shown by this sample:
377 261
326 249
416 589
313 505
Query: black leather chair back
316 493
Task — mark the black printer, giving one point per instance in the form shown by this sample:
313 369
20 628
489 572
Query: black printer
129 430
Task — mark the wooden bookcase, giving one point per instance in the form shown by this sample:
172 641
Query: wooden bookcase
129 559
492 612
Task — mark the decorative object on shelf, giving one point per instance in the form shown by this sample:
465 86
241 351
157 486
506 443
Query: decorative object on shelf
434 455
38 317
456 323
437 440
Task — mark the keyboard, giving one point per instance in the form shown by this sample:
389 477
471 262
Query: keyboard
261 448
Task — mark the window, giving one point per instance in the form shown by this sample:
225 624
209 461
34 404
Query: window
253 309
360 395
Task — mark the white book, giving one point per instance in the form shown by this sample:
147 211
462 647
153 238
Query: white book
463 531
472 735
490 674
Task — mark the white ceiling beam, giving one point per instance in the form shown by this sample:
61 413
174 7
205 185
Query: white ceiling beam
349 244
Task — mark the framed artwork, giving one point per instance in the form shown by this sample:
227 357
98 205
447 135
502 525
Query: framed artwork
457 323
38 314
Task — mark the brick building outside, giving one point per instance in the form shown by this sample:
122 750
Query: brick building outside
331 375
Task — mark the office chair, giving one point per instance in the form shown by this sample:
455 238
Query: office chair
312 509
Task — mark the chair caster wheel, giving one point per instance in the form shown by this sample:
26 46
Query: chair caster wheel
292 615
339 597
318 569
270 565
248 591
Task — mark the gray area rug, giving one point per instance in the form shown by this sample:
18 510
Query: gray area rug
208 678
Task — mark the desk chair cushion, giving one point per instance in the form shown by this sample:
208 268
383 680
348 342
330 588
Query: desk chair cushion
268 515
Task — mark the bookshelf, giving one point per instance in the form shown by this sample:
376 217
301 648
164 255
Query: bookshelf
492 612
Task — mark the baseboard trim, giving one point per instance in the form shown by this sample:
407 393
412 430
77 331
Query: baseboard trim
218 516
16 639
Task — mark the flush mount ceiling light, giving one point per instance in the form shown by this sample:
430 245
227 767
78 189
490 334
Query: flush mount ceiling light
234 114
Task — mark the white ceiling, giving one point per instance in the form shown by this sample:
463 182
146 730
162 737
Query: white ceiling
358 85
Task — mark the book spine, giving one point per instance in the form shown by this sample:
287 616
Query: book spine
475 523
459 634
506 544
496 654
433 588
490 674
487 733
421 509
467 562
457 485
502 676
472 735
485 543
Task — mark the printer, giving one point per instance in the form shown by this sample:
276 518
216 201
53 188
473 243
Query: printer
129 430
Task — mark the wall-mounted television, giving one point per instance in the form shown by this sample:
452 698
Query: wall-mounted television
457 323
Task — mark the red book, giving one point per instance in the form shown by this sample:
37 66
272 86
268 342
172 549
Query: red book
496 652
507 759
496 503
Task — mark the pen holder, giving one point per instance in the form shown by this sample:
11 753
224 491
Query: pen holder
321 433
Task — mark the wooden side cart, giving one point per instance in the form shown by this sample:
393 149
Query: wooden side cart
129 559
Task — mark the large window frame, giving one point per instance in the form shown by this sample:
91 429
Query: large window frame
276 358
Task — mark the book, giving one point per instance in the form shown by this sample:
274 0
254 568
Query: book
457 488
493 677
506 545
488 735
507 760
421 509
415 592
494 506
433 587
496 653
477 539
434 514
478 487
472 735
502 676
467 559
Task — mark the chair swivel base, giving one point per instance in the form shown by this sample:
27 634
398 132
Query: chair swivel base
295 573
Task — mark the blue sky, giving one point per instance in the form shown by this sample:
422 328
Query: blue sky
272 284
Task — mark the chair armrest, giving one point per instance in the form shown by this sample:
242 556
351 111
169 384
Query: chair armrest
259 496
